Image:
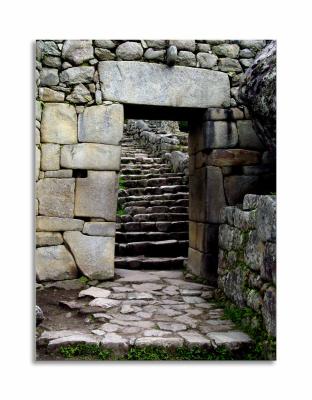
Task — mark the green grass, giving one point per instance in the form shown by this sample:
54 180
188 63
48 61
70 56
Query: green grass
148 353
122 182
83 279
121 211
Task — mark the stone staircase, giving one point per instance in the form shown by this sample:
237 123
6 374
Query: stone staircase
152 221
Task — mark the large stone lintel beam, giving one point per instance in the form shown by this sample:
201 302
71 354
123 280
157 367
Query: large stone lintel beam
132 82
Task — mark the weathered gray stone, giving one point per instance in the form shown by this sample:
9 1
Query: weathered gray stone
104 44
186 58
157 55
115 342
268 268
49 77
59 124
129 51
49 47
230 238
229 65
207 60
91 156
99 228
157 44
156 333
38 110
95 292
50 156
219 134
53 224
52 61
56 197
61 173
37 161
246 62
248 138
269 310
171 55
159 342
254 252
77 51
55 263
183 44
48 239
96 195
203 47
244 220
82 338
193 338
226 50
258 91
203 237
231 340
94 255
76 75
104 54
101 124
51 96
178 87
80 95
250 202
266 218
206 195
255 45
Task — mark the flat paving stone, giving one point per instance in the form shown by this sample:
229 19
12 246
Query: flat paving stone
159 342
95 292
155 308
174 327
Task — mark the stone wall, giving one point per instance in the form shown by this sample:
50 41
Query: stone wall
227 161
82 89
247 256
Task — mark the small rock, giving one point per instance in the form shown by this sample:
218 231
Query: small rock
95 292
172 55
104 303
129 51
49 77
79 95
173 327
104 54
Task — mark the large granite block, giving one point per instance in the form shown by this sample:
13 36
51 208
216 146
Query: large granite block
101 124
96 195
91 156
155 84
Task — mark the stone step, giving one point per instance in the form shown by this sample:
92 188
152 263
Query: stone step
153 263
163 248
149 176
159 226
146 203
123 197
133 210
160 217
157 190
137 170
145 167
155 182
144 160
127 237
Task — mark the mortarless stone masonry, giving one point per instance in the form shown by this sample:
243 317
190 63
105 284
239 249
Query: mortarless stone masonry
79 122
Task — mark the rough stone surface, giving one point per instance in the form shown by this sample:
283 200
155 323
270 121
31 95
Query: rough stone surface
53 224
207 60
99 228
248 138
129 51
59 124
50 157
95 292
94 255
48 239
75 75
49 77
91 156
258 91
56 197
80 95
96 195
51 96
200 89
55 263
219 134
77 51
101 124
